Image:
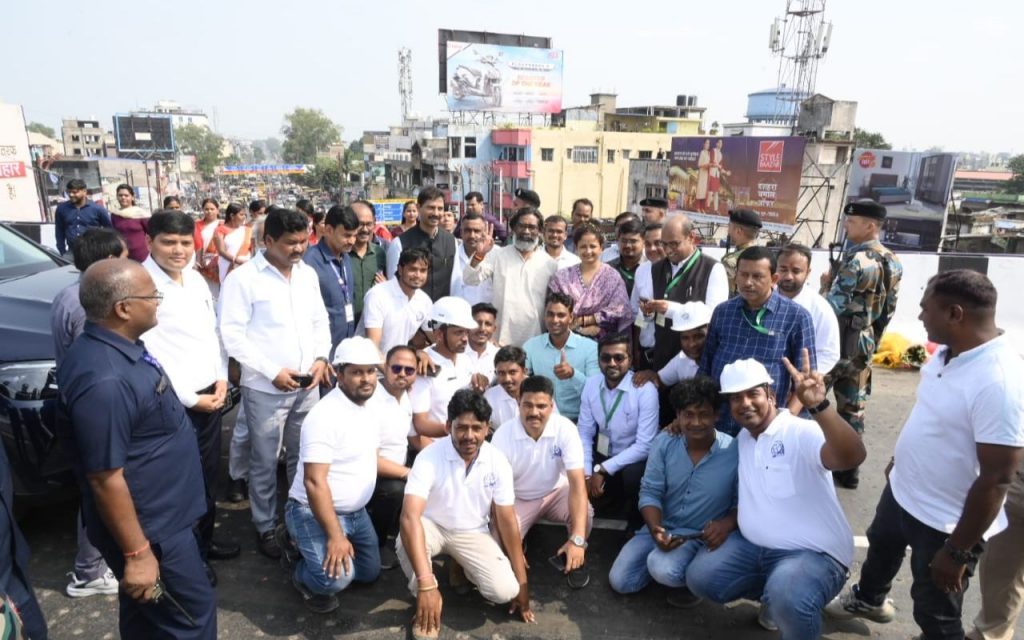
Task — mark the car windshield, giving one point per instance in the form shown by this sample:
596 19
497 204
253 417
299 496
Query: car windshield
20 257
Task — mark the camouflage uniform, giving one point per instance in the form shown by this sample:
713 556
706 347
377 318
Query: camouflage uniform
863 297
730 262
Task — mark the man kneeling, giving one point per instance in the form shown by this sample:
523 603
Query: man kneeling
325 514
449 495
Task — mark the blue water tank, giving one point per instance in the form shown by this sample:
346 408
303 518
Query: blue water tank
774 105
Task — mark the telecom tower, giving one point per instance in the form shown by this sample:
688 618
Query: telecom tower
800 38
405 81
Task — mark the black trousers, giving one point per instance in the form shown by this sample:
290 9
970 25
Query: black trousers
385 507
208 434
891 532
621 493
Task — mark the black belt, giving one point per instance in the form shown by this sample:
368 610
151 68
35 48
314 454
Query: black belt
207 390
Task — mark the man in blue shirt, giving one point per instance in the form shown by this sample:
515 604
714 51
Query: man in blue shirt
76 215
566 358
759 323
136 458
333 266
687 496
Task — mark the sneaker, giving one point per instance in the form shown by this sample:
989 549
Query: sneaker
105 585
764 618
388 557
289 552
313 601
848 605
238 491
267 545
683 598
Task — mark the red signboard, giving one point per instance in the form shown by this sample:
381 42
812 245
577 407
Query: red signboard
12 170
769 156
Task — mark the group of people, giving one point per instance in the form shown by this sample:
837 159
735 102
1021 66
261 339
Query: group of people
439 395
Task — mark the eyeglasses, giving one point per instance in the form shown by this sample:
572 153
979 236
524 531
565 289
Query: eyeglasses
158 296
674 244
617 358
398 370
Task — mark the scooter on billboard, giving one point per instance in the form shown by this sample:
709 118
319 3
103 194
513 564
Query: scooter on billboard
482 82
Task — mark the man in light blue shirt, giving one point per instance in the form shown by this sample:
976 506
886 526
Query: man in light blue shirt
566 358
687 496
617 423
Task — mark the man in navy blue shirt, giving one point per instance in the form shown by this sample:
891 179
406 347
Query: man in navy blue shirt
76 215
136 458
333 266
759 323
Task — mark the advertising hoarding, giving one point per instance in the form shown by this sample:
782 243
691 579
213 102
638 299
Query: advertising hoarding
19 196
262 169
709 176
389 211
489 77
146 137
483 37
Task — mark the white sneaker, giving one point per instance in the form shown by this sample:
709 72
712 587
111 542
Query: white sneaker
764 618
105 585
848 605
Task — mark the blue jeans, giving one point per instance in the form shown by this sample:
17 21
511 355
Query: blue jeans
311 540
640 561
794 585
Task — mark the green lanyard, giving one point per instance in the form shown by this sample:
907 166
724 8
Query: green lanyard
757 325
626 275
682 272
608 415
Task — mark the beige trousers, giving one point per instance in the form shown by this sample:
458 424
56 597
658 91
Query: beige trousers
1002 573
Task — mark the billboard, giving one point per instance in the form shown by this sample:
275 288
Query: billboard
489 77
19 196
146 137
483 37
262 169
389 211
915 188
710 176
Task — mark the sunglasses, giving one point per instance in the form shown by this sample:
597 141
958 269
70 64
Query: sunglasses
618 358
398 370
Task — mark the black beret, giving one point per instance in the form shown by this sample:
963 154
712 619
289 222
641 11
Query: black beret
528 196
745 217
660 203
865 208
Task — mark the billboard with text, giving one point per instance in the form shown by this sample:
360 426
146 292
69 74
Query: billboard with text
708 176
19 197
489 77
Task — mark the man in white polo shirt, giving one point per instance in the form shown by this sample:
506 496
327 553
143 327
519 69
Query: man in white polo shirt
454 485
955 458
510 369
325 514
691 320
481 342
451 320
394 311
546 455
794 546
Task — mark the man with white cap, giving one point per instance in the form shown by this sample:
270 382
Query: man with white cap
794 546
332 541
451 320
691 321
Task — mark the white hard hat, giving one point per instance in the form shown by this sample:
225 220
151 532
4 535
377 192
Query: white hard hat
690 316
453 311
357 350
742 375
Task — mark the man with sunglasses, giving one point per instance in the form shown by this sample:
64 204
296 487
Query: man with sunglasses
617 423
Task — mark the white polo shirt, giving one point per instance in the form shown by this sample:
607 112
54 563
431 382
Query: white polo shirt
539 466
978 397
503 406
678 369
349 446
459 498
386 307
431 394
483 363
786 496
395 424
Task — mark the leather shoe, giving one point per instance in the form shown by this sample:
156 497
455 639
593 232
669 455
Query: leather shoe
268 545
238 491
211 575
223 550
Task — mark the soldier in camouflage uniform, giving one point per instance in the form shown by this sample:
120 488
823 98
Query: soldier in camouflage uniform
744 225
862 290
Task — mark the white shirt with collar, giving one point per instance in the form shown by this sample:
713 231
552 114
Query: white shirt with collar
505 408
269 322
826 327
483 363
633 424
565 259
472 294
185 341
458 498
643 287
395 424
786 496
539 466
386 307
678 369
431 394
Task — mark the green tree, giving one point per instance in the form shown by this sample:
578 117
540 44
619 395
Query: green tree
307 131
325 175
203 143
38 127
258 156
869 139
1016 166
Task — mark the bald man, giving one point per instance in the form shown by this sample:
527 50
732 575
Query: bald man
136 458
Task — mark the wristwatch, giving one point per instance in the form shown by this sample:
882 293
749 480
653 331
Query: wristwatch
579 541
959 556
825 404
599 469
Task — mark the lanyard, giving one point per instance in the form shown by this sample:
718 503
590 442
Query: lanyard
341 278
608 415
626 275
682 272
757 325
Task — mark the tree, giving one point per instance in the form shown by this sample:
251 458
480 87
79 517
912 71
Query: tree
203 143
38 127
324 175
1016 166
258 157
869 139
307 131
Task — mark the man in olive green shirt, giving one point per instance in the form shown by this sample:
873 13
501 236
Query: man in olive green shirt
368 257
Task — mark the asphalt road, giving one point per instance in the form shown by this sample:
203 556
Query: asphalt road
255 597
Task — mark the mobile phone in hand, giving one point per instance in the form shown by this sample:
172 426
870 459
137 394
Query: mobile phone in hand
558 562
303 379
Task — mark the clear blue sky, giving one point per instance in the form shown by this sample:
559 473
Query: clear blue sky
940 73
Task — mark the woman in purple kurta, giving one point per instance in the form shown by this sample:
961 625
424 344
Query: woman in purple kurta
601 303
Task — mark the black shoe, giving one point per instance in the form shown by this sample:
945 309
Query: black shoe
314 602
211 575
847 479
223 550
268 545
289 552
388 557
578 578
238 491
683 598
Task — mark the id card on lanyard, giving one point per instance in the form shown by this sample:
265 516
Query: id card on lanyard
604 443
757 324
350 312
659 319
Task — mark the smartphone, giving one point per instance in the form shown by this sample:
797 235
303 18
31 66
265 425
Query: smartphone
303 379
558 562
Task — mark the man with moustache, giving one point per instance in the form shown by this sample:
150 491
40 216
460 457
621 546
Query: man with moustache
455 486
274 323
690 321
629 238
794 547
794 265
744 225
482 349
555 240
653 210
429 235
186 343
474 227
510 370
582 213
330 260
326 514
395 312
367 257
77 214
475 205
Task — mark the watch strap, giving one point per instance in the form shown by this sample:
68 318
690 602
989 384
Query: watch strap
825 404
